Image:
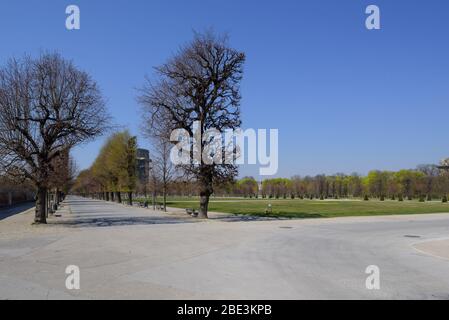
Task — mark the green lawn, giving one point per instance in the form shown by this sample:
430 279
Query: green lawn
194 199
316 208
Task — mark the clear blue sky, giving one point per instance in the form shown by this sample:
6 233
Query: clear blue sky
343 98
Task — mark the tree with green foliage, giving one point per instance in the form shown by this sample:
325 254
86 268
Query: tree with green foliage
115 168
408 182
121 161
248 187
377 183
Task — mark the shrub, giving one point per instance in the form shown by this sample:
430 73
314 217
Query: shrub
422 198
444 199
366 198
322 197
400 197
382 198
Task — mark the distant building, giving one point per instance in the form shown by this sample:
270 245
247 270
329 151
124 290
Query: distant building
143 166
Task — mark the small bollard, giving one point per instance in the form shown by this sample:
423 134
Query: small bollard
269 209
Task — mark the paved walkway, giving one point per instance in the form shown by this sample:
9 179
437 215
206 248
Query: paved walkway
125 252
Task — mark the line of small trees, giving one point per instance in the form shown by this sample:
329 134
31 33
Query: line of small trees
426 182
106 180
114 173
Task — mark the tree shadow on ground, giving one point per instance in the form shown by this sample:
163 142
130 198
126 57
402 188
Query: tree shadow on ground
261 217
108 221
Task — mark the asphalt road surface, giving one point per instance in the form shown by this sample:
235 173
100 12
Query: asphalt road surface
135 253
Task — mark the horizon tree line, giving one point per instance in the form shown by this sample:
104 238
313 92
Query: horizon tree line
426 182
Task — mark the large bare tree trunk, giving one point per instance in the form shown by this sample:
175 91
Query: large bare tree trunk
204 204
130 198
154 200
205 191
57 196
165 198
41 205
119 197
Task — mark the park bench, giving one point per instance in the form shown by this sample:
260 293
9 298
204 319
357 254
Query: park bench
143 204
159 206
192 212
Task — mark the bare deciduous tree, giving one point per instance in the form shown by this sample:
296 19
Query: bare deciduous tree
63 174
162 163
162 170
47 106
200 83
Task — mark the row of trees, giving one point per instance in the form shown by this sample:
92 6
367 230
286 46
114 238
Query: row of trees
113 172
48 106
425 182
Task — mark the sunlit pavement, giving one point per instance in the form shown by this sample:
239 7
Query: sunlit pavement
136 253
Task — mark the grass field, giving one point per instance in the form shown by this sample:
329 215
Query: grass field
315 208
